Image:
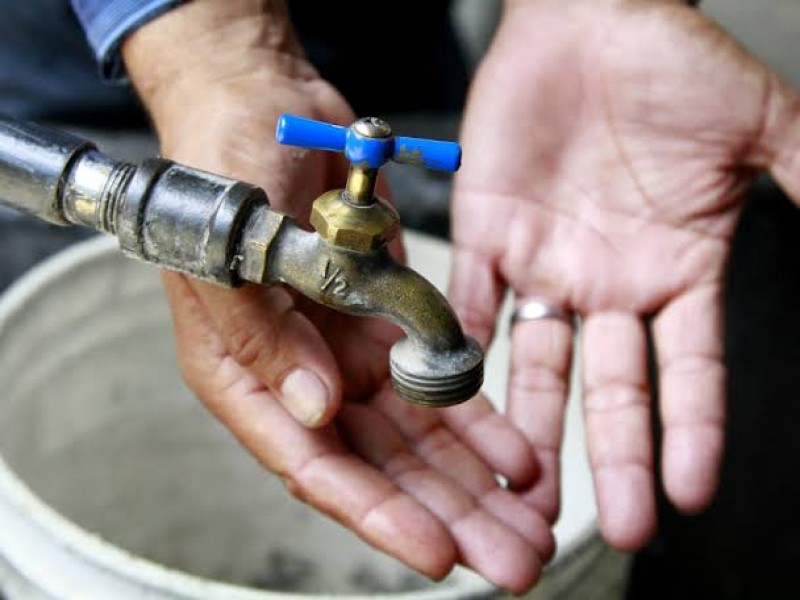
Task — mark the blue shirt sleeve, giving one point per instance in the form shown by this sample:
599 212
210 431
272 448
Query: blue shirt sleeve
107 22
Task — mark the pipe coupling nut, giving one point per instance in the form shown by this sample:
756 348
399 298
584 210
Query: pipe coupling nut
356 227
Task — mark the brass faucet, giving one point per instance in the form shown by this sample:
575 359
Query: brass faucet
224 231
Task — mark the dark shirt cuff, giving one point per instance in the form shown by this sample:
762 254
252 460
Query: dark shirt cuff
107 23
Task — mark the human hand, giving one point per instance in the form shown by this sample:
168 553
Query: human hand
607 146
274 367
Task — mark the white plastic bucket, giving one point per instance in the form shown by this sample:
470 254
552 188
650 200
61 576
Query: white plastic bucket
115 483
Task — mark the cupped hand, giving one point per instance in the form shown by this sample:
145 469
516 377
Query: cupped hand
607 146
306 389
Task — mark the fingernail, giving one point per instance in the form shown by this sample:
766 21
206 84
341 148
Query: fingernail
305 396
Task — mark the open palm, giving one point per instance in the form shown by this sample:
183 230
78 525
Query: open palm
607 148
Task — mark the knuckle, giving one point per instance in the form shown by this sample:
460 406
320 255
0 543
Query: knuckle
192 373
297 479
191 377
249 346
294 487
538 378
262 340
616 398
436 441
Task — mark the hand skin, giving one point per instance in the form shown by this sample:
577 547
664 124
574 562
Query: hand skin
416 483
607 147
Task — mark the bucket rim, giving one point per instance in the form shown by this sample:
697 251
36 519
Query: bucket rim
79 544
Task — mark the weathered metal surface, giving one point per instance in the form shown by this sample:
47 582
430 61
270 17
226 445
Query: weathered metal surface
223 231
363 228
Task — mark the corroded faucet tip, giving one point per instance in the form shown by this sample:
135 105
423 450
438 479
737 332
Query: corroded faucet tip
436 379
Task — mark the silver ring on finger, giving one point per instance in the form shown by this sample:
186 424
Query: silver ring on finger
537 309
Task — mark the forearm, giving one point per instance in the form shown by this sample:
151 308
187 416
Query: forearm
205 42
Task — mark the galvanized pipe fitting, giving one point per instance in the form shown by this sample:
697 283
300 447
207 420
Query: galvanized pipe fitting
163 213
184 219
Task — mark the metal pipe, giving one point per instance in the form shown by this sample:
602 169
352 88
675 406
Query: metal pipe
161 212
33 164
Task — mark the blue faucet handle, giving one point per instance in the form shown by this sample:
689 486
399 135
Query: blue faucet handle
431 154
308 133
371 151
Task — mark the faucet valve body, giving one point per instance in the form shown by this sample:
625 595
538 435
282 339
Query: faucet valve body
441 366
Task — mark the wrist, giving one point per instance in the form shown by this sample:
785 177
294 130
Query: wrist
205 43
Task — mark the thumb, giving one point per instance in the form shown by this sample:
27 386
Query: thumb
779 147
260 330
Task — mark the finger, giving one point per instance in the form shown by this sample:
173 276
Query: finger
484 542
494 442
538 388
617 415
688 337
475 292
441 449
313 463
263 332
494 439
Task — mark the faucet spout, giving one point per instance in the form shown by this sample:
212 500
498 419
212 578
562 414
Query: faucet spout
434 365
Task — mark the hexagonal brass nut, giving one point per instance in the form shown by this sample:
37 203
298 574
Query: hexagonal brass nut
362 228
